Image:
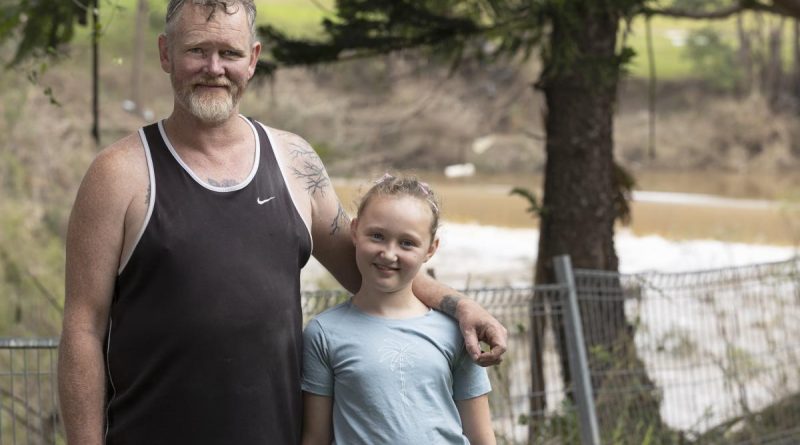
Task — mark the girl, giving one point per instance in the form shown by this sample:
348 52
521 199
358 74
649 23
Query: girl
383 368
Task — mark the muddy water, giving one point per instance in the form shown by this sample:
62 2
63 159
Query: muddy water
773 219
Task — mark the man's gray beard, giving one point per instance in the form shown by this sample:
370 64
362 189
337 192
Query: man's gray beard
211 110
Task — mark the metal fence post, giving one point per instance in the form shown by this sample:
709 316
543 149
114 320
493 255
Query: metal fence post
578 363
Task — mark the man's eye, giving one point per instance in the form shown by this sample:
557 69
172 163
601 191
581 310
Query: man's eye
196 50
231 54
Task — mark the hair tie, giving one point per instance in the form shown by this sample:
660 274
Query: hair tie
425 188
386 176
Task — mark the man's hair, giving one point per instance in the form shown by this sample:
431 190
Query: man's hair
227 6
394 186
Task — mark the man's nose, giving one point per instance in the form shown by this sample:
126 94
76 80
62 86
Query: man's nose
213 65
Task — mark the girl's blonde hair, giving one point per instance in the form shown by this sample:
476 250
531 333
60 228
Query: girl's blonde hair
389 185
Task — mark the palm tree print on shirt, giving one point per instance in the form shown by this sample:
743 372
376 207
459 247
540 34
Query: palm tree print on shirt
400 358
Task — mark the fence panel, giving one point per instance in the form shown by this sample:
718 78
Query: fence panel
28 408
704 357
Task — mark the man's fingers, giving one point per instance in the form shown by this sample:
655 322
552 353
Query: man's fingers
471 343
489 359
496 336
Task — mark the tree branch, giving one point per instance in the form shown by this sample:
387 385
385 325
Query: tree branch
729 11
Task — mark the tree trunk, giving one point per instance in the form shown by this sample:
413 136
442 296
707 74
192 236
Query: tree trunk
138 55
580 189
796 63
774 66
745 56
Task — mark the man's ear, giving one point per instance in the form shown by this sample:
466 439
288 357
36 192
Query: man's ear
163 53
432 249
255 51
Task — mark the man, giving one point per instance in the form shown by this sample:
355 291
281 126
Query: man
182 316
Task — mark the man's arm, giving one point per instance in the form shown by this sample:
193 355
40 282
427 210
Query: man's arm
330 224
473 320
94 242
333 247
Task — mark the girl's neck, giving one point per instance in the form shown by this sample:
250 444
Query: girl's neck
396 305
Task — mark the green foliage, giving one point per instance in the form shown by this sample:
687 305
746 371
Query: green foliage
534 207
712 58
450 28
41 26
624 183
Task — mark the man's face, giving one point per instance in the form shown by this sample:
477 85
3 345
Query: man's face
209 61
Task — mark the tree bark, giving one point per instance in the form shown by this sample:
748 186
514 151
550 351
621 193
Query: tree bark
142 12
774 66
795 82
745 56
580 189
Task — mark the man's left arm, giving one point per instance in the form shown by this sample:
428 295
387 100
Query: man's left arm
475 322
333 247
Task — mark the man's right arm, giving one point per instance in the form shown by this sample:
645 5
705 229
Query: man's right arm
95 239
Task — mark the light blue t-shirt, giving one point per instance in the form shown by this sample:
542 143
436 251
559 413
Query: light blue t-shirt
392 381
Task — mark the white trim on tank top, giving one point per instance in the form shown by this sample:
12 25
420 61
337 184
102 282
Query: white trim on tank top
150 205
239 186
286 182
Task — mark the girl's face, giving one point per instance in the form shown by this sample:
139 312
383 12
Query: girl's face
392 237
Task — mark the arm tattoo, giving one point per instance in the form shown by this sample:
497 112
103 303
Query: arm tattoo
147 195
340 220
297 150
313 173
448 305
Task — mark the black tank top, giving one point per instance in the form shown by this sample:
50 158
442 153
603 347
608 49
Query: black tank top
204 340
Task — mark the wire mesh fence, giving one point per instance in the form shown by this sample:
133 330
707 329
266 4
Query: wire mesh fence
28 408
703 358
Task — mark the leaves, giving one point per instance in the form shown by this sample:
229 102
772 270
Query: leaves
535 209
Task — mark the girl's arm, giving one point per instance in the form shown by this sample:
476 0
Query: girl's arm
317 423
476 420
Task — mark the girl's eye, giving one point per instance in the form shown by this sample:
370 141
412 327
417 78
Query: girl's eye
407 244
376 236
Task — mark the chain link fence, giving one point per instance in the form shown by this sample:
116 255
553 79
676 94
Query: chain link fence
708 357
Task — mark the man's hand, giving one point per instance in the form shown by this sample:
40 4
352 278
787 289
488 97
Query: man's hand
477 325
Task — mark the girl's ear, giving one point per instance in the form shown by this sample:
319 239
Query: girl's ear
432 249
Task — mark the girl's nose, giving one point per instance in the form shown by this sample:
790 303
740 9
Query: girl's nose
389 255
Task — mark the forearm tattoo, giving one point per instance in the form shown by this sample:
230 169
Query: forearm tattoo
449 304
340 220
147 195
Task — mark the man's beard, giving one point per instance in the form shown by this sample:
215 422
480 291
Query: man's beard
208 106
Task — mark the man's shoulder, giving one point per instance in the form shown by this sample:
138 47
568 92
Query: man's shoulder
283 139
121 155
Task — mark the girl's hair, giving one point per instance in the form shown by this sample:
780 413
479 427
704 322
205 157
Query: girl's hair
389 185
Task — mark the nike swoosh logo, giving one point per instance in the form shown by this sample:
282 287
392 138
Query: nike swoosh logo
263 201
